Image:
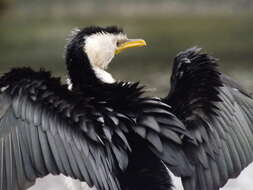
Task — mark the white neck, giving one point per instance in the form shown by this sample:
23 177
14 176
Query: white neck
69 83
103 75
100 49
100 73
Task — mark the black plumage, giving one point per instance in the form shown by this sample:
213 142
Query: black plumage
113 137
217 113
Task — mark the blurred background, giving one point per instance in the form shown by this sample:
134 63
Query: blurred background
34 32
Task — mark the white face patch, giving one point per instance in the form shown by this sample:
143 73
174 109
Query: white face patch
101 47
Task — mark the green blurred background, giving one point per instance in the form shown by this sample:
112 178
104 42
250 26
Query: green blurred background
34 33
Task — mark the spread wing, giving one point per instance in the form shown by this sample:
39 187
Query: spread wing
44 128
217 112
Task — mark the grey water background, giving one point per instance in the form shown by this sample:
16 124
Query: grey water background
33 33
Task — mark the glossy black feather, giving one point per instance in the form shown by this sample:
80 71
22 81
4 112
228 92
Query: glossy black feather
217 112
91 137
53 143
113 137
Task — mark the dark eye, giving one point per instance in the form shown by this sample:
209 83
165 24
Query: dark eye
118 43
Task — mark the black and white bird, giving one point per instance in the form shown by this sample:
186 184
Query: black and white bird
110 135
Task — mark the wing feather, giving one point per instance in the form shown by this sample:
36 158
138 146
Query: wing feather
45 128
217 112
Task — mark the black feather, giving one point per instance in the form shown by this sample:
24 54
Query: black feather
211 107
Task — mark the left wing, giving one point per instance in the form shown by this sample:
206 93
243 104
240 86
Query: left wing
45 128
218 113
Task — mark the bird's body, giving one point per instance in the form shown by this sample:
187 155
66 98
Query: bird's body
110 135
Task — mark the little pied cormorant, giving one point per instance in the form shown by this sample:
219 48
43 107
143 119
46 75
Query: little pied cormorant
110 135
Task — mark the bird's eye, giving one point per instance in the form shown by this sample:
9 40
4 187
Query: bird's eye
118 43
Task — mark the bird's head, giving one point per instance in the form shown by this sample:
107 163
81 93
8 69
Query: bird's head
97 46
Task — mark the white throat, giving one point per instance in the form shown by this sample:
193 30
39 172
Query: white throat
103 75
100 48
100 74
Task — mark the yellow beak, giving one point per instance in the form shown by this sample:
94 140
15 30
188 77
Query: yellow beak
129 44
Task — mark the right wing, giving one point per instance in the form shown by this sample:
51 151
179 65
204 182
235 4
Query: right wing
44 128
218 113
